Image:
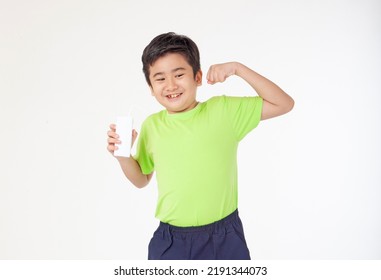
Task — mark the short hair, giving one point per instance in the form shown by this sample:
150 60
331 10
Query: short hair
170 42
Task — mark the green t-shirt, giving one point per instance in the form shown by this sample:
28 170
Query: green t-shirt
194 155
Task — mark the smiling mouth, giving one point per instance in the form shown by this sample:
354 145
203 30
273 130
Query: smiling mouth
173 96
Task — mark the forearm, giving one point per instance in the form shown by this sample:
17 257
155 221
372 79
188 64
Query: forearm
133 172
264 87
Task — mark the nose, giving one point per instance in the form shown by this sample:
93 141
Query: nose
171 84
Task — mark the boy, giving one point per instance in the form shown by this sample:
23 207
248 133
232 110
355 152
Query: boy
192 146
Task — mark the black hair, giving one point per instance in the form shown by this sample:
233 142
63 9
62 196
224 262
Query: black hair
170 43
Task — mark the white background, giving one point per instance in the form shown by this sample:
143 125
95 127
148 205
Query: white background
310 181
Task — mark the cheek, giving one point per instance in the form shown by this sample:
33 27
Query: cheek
155 90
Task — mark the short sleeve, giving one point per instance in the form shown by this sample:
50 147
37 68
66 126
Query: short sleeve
143 155
244 113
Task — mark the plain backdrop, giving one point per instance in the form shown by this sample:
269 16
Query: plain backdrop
309 181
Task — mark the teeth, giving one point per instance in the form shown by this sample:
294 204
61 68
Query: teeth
173 95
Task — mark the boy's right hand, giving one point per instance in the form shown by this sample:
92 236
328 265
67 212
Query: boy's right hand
113 138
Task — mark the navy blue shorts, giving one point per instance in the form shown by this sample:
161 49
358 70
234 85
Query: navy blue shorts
221 240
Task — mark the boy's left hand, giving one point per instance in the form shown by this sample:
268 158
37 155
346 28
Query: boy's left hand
218 73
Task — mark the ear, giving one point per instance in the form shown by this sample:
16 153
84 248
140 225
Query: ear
198 78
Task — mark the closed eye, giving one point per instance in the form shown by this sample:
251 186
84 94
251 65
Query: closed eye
179 75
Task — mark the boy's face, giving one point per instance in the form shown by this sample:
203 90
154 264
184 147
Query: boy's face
173 83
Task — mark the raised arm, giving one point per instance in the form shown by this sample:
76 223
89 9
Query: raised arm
275 101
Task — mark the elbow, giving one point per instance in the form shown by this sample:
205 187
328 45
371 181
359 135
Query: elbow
143 181
286 107
140 185
290 105
270 110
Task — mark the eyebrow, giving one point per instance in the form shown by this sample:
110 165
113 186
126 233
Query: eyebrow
174 70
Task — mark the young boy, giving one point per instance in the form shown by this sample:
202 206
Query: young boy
192 146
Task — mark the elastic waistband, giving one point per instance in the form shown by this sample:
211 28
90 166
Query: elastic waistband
228 219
